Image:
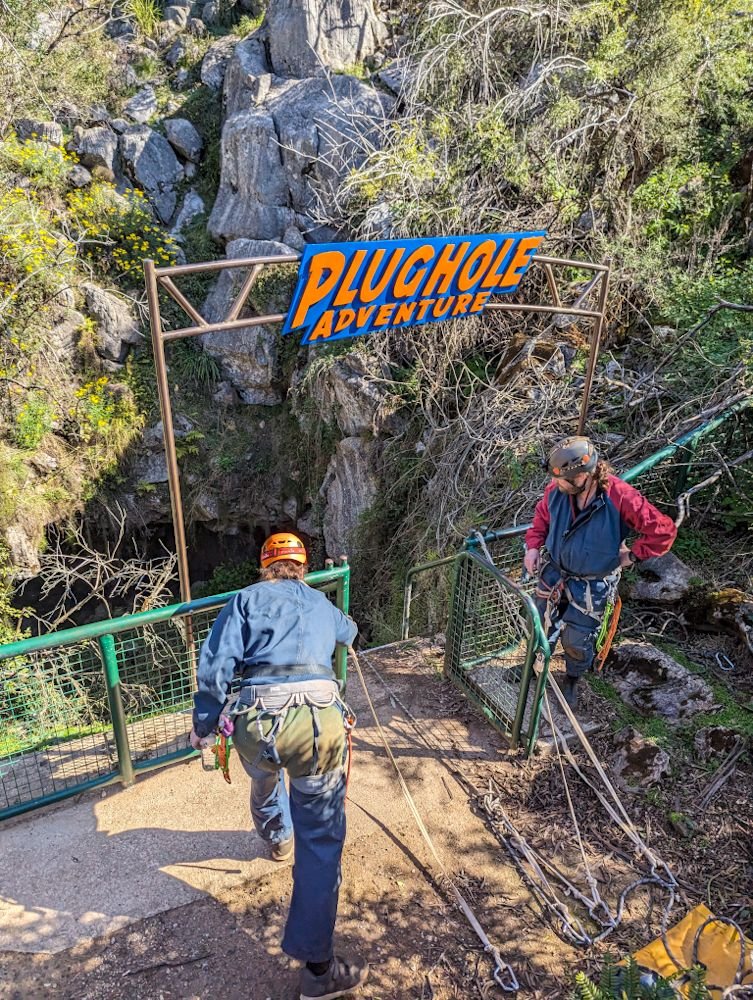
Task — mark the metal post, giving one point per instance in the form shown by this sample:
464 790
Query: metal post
343 603
120 732
171 457
594 352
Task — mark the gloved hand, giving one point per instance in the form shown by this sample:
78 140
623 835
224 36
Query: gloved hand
532 561
200 742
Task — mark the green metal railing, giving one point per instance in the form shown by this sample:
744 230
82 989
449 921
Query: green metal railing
494 633
102 702
494 638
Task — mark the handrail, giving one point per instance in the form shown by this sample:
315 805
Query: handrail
326 580
689 437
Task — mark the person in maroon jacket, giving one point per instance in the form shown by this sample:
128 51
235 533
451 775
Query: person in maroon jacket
577 546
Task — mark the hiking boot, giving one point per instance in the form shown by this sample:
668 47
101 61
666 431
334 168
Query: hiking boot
340 978
570 691
281 851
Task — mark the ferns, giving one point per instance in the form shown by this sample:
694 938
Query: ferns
629 982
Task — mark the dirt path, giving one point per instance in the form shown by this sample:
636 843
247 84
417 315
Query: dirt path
224 942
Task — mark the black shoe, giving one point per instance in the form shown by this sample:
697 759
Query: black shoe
570 691
340 978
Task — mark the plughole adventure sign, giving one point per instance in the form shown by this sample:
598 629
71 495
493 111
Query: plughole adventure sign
353 289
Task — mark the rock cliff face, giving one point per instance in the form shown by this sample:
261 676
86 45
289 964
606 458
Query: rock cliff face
314 37
292 130
298 109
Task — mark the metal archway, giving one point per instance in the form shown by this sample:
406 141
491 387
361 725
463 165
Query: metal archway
161 279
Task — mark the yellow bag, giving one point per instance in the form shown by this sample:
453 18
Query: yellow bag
718 951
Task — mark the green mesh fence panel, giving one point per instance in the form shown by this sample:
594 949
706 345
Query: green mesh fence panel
54 721
157 670
56 727
491 643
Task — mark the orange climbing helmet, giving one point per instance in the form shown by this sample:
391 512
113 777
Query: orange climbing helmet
283 545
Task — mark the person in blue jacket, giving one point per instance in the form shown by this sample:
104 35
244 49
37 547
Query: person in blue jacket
272 646
581 525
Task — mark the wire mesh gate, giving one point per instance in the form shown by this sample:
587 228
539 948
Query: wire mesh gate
494 633
89 705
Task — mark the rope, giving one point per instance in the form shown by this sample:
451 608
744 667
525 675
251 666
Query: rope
519 849
504 975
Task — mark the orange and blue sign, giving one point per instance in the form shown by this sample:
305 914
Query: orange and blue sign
352 289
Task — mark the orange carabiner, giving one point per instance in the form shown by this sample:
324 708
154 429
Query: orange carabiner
221 753
604 651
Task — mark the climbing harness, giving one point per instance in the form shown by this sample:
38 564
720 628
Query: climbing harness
504 975
274 702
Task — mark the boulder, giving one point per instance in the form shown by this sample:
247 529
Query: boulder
225 395
79 176
663 579
248 76
323 127
349 488
149 468
651 681
142 106
152 164
119 125
253 200
33 128
177 15
193 206
177 51
216 60
23 552
97 147
638 763
196 27
397 77
310 37
116 326
282 161
205 506
184 138
247 356
153 438
347 393
211 13
63 333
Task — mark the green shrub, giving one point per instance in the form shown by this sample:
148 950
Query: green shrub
45 164
230 576
36 260
626 982
119 231
33 421
146 13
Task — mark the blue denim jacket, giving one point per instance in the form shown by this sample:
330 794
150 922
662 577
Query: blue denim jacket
273 632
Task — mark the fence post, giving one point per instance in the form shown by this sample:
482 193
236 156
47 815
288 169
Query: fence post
343 603
120 732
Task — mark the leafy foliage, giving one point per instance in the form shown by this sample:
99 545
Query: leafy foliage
628 982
